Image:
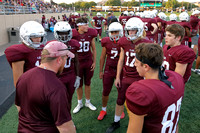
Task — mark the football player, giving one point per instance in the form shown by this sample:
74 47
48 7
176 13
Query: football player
134 30
177 57
194 20
110 53
123 19
154 102
27 55
98 19
87 60
184 18
161 22
70 75
150 25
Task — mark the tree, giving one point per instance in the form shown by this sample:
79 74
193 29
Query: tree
131 3
113 3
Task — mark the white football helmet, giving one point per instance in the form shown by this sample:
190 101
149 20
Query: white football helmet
137 14
196 12
162 16
131 13
76 14
64 27
172 17
32 29
125 13
99 14
184 16
142 14
134 24
115 26
148 14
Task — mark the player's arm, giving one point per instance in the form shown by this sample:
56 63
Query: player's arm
67 127
76 63
155 28
18 70
119 68
180 68
102 62
135 124
94 53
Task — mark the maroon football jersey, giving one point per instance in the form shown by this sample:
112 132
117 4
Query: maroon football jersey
20 52
185 25
123 20
181 54
74 46
194 22
170 22
84 52
112 52
160 103
43 101
98 21
148 28
129 69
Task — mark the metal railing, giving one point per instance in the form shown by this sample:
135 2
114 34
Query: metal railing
7 10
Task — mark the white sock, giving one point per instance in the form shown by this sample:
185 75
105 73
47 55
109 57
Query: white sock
117 118
87 100
104 108
80 101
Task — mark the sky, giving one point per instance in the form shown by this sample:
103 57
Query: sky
70 1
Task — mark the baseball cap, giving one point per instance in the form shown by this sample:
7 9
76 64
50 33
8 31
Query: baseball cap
57 49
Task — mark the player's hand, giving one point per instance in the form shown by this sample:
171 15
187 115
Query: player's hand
93 66
101 75
77 82
117 83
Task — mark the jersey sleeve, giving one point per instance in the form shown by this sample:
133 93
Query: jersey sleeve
138 101
74 33
59 106
188 56
103 42
14 54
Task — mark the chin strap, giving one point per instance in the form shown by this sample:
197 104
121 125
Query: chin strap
163 77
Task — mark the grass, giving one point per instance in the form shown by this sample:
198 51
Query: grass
86 120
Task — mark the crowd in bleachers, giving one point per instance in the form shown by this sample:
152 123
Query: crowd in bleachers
32 6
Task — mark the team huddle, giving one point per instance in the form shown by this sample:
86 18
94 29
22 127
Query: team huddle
149 76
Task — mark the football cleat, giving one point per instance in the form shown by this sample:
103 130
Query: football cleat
77 108
102 115
113 127
90 106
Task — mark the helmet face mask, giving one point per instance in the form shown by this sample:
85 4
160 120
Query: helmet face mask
99 14
30 30
115 27
63 32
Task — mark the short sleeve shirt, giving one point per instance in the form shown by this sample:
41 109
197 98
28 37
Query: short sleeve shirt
129 68
20 52
112 52
157 101
42 98
85 40
181 54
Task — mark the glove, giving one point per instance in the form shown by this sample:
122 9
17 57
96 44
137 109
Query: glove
77 82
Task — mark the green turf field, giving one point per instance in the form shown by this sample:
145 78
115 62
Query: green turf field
86 120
